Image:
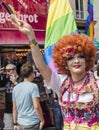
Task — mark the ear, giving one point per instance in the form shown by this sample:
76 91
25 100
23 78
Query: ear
33 74
66 67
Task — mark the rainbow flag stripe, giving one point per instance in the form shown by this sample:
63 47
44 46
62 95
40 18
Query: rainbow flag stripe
60 22
89 28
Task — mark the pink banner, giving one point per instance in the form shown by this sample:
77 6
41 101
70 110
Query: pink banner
32 11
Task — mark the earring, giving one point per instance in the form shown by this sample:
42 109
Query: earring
66 67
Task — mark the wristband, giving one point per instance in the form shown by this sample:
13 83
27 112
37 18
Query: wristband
32 43
56 98
15 123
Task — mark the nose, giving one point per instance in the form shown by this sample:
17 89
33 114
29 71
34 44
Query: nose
76 59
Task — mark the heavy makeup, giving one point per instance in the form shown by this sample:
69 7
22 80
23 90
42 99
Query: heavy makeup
77 66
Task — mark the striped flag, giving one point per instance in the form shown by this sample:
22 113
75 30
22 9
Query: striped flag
60 22
89 28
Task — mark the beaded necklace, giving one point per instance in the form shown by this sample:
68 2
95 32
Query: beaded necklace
75 90
77 96
85 81
79 79
69 87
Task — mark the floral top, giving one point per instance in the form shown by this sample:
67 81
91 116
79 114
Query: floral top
78 105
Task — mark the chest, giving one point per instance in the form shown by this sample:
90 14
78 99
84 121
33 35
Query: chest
81 101
82 98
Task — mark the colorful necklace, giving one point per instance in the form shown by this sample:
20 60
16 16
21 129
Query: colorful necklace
86 80
79 79
70 85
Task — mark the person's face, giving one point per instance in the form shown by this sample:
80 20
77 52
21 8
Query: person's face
76 64
10 71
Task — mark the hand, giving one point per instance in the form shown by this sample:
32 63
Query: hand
2 70
13 78
41 125
23 27
16 127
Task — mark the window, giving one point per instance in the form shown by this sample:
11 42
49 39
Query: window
79 7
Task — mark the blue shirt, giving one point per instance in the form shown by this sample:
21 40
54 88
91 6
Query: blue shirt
23 93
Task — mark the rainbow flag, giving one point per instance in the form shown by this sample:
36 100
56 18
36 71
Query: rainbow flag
60 22
89 27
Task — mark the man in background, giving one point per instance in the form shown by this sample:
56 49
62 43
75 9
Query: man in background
27 112
12 79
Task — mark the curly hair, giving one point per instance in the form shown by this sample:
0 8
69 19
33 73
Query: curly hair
81 43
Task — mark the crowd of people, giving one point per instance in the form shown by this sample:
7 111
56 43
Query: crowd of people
77 93
22 99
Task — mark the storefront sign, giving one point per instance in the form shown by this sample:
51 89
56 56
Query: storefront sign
32 11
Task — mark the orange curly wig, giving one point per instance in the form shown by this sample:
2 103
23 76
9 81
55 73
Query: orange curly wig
81 43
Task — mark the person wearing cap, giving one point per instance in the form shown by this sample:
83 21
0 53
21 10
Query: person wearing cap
11 81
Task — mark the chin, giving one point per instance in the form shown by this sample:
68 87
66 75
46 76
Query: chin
78 72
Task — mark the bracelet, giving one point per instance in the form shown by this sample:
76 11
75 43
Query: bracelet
32 43
55 99
15 123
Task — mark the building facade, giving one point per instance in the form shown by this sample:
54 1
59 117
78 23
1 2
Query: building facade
96 17
80 12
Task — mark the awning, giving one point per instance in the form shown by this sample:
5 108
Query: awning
14 37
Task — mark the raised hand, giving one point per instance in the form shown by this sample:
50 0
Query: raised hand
23 27
14 78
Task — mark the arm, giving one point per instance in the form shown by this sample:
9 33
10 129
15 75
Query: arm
15 116
37 56
38 110
40 64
